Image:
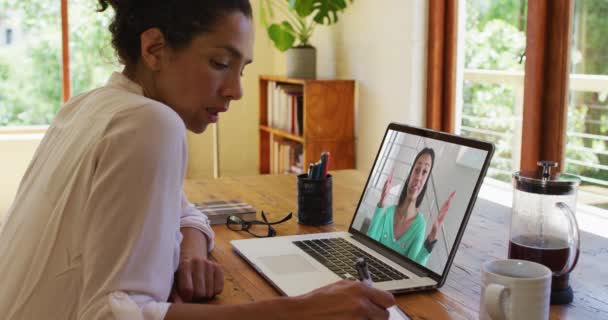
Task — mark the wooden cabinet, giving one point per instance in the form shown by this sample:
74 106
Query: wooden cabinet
327 123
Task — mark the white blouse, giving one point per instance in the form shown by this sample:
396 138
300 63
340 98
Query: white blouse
94 231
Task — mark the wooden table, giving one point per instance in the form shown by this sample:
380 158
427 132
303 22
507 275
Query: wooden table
485 238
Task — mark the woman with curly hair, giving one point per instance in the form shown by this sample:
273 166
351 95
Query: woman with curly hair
402 227
100 227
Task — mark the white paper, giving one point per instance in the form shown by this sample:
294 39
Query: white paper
396 314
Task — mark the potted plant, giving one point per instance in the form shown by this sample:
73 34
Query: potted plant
290 24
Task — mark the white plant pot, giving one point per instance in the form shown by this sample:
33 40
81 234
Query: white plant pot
302 62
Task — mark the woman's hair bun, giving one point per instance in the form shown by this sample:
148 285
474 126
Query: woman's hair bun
103 4
178 20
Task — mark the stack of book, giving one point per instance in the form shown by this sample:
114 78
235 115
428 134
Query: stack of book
219 211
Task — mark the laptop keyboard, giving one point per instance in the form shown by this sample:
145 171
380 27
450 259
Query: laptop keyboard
339 256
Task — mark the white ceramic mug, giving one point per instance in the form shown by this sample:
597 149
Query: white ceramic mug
514 289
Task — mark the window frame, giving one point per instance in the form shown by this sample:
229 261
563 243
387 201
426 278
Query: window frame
441 65
545 103
65 52
546 82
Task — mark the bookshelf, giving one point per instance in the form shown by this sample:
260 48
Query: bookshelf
300 118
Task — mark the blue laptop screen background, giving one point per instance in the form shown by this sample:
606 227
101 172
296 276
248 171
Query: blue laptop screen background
455 169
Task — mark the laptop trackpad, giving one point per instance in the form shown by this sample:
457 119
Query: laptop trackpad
286 264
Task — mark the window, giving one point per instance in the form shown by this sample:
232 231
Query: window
587 128
30 68
92 58
31 77
493 79
511 68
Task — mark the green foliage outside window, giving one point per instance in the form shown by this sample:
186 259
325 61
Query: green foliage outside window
495 40
30 70
588 112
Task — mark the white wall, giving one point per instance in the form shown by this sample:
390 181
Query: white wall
16 152
451 173
382 45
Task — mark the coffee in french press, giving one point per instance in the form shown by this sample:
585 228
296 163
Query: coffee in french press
543 225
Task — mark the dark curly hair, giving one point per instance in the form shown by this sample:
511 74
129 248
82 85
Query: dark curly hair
403 195
179 21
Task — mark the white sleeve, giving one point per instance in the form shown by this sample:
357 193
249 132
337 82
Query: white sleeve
131 238
193 218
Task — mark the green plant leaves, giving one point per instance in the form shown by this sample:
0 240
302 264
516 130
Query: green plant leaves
282 35
300 18
326 10
302 7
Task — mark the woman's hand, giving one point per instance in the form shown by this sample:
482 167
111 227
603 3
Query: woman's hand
197 278
344 300
443 211
386 188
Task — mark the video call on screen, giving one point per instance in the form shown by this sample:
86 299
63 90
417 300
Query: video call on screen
423 176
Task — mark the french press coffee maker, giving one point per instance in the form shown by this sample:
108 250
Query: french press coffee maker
543 224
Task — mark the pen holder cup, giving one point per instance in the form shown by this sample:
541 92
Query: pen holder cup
315 200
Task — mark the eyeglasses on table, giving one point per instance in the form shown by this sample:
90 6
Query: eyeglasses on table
258 229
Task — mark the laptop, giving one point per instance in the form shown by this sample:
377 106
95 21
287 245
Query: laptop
392 226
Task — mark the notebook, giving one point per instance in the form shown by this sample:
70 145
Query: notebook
219 211
402 256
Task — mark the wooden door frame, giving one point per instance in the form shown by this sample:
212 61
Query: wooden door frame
546 82
65 52
441 65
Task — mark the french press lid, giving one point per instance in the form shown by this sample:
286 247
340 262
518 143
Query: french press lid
542 182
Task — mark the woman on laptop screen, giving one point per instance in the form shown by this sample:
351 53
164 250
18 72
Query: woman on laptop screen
402 227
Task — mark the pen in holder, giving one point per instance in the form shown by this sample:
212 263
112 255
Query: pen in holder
315 200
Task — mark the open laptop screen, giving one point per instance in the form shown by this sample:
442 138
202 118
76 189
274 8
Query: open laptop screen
418 193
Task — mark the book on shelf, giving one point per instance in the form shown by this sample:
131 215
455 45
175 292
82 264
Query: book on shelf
299 115
219 211
286 157
284 107
296 169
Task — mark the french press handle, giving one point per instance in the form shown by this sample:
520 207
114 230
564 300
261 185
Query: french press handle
575 246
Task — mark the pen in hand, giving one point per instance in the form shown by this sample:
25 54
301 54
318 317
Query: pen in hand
361 265
363 271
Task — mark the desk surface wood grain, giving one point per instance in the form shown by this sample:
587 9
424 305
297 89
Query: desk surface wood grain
485 238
